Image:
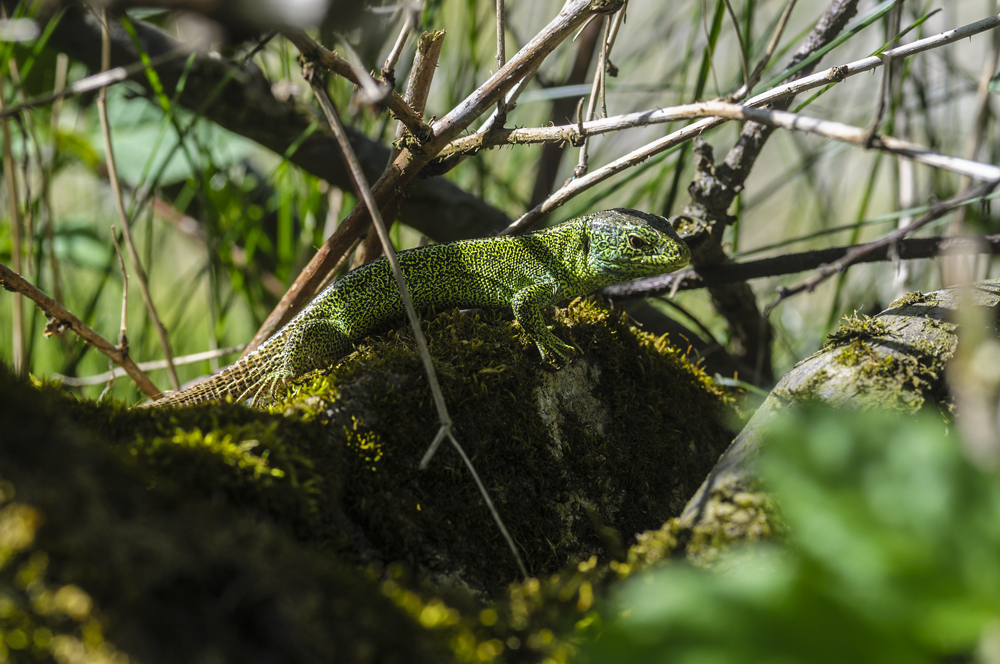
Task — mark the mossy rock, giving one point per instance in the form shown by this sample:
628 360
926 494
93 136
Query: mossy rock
226 533
105 560
577 461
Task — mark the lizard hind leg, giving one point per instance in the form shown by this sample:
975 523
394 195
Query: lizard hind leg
314 344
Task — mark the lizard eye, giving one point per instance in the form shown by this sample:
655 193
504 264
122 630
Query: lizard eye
636 242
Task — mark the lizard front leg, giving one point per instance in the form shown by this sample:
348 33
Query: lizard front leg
528 304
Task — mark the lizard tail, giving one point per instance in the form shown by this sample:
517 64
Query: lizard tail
242 380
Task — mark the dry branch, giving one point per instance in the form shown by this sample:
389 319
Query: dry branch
60 319
574 133
394 102
826 77
140 273
776 266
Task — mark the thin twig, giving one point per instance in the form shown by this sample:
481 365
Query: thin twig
562 110
509 102
47 166
330 60
95 82
982 114
772 46
389 68
856 253
123 329
45 174
152 365
740 42
501 61
28 136
376 91
609 67
489 504
60 319
595 88
831 75
886 80
364 191
777 266
140 273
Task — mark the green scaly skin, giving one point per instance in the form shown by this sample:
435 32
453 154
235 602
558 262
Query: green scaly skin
526 273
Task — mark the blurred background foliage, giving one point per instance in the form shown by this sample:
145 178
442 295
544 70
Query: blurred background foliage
892 535
891 556
224 225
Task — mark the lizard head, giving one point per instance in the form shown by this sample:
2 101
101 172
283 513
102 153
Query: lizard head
629 244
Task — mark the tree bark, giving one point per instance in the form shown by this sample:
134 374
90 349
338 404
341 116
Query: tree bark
895 360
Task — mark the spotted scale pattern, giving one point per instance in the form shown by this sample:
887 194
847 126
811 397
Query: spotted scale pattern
526 273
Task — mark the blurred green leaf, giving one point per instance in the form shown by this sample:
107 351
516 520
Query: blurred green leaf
893 556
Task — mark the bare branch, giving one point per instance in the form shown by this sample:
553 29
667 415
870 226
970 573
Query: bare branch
140 273
389 68
856 253
153 365
60 319
240 98
718 109
776 266
501 60
418 86
95 82
400 109
123 327
831 75
20 348
772 46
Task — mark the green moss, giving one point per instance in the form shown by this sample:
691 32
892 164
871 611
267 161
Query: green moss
576 460
544 619
109 547
601 442
855 327
910 299
883 374
281 466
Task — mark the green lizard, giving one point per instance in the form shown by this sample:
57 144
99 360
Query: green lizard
526 273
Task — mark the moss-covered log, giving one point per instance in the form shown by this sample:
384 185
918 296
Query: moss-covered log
307 534
895 360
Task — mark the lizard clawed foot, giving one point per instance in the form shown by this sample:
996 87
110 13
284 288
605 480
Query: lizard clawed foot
266 390
555 352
